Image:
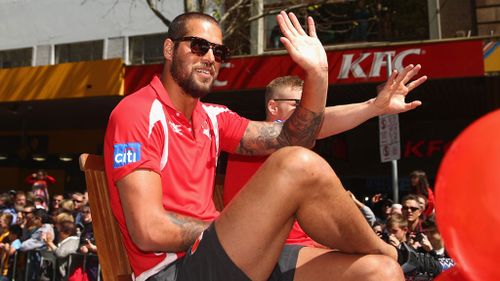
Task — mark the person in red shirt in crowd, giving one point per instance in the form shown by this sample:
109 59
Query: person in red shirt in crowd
40 182
160 152
419 184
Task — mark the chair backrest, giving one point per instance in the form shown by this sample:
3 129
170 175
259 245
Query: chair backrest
112 254
218 190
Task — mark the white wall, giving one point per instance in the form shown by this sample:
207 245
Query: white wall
26 23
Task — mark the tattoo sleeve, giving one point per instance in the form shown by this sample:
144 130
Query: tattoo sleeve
190 228
301 128
262 138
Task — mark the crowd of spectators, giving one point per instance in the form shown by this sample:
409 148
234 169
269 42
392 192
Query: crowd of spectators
62 226
411 222
32 229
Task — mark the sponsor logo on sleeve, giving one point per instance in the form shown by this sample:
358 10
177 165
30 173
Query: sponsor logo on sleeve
126 153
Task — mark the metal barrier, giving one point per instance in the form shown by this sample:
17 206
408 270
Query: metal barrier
32 265
11 261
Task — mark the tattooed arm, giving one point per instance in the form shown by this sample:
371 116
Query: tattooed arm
189 228
149 226
302 127
262 138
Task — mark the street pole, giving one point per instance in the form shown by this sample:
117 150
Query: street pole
394 163
395 188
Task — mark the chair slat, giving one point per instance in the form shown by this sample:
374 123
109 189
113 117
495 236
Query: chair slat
112 254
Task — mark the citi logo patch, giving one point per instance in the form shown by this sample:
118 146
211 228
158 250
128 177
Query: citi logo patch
126 153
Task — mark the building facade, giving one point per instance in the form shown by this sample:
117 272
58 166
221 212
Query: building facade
65 64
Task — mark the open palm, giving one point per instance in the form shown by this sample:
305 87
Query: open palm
305 49
391 96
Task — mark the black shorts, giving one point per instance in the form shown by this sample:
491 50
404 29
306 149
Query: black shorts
209 262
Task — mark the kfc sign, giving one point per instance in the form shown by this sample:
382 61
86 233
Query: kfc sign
439 60
351 65
426 148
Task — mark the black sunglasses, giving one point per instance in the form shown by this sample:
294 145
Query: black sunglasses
297 101
200 47
413 209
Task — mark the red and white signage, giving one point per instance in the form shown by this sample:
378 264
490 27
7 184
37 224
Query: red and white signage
438 60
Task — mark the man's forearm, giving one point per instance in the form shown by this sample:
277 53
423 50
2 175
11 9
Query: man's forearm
166 232
315 89
263 138
304 124
151 227
341 118
301 128
189 229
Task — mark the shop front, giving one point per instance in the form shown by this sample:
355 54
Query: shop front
65 107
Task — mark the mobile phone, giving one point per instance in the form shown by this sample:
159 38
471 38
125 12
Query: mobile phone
385 236
419 237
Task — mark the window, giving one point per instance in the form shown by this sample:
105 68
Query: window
146 49
82 51
16 58
271 29
345 21
488 17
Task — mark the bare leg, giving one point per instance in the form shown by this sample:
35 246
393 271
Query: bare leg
320 264
293 182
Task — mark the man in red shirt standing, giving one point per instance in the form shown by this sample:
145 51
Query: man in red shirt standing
161 149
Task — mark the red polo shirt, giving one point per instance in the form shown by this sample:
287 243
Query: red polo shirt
145 131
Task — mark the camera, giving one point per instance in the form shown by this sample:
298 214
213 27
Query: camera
419 237
385 236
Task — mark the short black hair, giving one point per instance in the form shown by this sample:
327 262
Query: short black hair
178 27
41 213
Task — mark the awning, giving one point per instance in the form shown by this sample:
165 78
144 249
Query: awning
440 59
66 80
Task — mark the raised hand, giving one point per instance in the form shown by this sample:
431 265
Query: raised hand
91 247
391 96
84 249
393 240
47 237
426 244
305 49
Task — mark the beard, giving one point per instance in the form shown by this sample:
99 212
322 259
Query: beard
188 82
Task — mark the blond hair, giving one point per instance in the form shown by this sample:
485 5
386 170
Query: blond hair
64 216
280 82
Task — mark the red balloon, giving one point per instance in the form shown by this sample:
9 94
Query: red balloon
452 274
467 198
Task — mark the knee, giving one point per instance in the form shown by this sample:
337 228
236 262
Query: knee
301 164
295 159
378 267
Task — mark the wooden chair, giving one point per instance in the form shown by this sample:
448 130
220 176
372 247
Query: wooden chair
218 190
112 254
